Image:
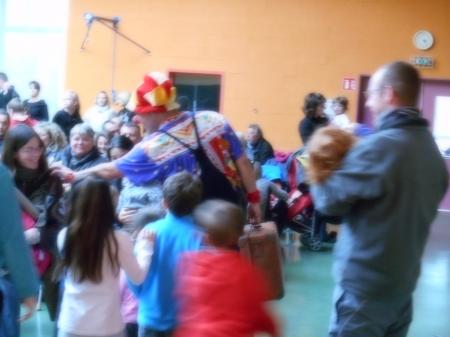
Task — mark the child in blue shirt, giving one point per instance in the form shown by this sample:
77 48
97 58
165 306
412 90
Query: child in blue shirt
176 234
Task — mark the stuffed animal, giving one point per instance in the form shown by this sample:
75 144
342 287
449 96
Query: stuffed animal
327 148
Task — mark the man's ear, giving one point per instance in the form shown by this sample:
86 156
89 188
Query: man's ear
389 95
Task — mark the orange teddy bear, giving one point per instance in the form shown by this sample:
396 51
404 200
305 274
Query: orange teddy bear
327 149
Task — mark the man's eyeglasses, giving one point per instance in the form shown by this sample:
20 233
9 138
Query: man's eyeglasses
371 91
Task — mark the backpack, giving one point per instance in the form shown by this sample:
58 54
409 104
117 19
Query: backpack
215 184
41 257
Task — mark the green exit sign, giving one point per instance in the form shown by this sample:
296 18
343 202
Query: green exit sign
422 61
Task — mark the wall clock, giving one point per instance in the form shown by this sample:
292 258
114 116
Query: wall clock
423 40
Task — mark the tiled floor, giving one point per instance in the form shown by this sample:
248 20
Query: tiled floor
306 307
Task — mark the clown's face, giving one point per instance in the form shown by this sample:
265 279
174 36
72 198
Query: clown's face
152 121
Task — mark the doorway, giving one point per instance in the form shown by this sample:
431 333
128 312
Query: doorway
198 91
435 105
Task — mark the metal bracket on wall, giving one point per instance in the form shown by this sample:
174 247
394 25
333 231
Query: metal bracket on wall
113 25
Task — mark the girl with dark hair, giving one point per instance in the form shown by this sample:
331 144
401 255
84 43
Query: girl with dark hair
24 155
35 106
315 117
69 116
93 253
102 143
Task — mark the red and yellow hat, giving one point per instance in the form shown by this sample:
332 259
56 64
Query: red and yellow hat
156 94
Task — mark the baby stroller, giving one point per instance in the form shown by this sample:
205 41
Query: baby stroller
301 215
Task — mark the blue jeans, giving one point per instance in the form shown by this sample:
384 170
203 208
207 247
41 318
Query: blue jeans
356 316
9 309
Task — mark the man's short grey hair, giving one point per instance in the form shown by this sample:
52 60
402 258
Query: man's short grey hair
82 129
404 78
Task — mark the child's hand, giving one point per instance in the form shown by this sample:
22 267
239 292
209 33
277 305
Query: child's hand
126 216
32 236
64 173
144 247
147 234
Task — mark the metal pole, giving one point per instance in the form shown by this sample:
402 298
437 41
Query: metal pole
113 65
125 37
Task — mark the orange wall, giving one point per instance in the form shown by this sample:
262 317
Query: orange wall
271 53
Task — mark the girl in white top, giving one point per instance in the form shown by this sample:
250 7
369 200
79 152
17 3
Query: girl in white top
341 119
99 113
92 254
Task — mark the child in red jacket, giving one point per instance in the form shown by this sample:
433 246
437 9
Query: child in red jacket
220 293
18 114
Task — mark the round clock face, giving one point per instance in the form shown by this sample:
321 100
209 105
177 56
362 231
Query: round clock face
423 40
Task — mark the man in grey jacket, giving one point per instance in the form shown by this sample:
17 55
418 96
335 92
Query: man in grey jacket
388 190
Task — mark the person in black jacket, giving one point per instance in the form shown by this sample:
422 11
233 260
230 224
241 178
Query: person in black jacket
82 152
35 106
258 148
314 116
7 91
69 116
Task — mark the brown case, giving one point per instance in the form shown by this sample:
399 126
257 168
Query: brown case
261 245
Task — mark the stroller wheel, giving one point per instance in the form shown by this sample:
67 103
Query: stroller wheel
315 245
305 239
306 236
310 242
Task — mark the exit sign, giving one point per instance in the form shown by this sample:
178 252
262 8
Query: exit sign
422 61
349 83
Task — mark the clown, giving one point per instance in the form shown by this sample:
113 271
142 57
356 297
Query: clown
204 144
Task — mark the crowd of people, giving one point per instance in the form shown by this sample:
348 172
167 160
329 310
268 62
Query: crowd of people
133 211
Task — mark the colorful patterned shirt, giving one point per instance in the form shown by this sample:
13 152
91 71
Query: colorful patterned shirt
158 155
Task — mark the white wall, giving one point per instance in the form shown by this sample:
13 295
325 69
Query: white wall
33 41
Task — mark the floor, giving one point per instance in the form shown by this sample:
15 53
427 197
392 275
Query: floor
305 310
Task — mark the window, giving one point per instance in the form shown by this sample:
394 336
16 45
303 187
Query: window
33 45
197 92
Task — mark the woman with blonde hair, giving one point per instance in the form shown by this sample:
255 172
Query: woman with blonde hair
99 113
53 138
69 115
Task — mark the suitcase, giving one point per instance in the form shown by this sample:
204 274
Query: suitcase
261 245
